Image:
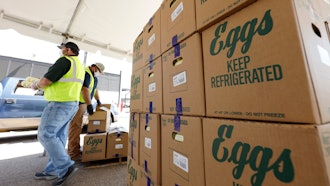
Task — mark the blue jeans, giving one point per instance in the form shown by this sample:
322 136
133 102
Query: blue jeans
53 134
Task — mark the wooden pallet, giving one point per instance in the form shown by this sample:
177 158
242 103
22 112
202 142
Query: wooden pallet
105 162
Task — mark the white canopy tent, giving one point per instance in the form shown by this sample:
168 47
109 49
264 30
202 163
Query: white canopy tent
109 26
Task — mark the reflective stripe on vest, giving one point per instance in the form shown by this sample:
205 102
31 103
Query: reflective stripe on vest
68 88
74 73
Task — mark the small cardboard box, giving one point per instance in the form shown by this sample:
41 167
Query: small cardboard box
152 37
117 142
153 87
150 147
208 12
134 137
183 82
103 107
177 22
94 147
136 95
98 122
182 151
133 176
260 153
270 61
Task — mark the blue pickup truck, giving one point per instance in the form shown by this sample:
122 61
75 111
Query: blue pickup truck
21 107
17 101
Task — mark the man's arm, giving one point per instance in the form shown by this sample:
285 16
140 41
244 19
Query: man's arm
54 73
96 95
86 95
43 82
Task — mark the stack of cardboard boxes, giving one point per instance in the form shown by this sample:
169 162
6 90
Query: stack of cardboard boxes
237 95
103 141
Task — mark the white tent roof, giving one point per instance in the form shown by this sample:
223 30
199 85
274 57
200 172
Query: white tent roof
110 26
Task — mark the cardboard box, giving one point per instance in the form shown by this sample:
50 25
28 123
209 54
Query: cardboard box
269 61
209 12
136 94
94 147
133 176
117 143
177 22
150 147
153 87
134 137
259 153
182 151
98 122
103 107
138 52
152 37
183 84
146 180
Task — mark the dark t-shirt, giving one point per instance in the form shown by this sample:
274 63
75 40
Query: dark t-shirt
59 69
87 80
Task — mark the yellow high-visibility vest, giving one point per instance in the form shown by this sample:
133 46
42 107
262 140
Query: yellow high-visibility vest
91 85
68 88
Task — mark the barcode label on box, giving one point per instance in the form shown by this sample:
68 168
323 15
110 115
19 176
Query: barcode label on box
96 122
151 39
179 79
152 87
119 146
177 11
180 161
147 142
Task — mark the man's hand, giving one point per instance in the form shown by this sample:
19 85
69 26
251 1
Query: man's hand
35 85
90 109
98 102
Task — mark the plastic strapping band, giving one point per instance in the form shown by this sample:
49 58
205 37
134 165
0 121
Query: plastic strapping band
174 40
176 46
132 143
177 123
145 165
151 58
150 21
176 51
150 106
178 105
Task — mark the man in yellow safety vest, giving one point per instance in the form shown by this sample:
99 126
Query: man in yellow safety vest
89 90
62 85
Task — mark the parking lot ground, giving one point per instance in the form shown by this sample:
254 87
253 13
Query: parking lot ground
21 155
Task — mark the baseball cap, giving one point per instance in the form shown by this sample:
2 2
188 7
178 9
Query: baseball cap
70 45
100 66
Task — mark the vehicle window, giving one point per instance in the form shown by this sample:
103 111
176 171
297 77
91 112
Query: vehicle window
25 91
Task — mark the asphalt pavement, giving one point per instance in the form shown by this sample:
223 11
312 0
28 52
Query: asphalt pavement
21 155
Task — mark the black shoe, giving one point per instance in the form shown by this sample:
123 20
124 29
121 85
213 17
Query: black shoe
67 176
44 176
